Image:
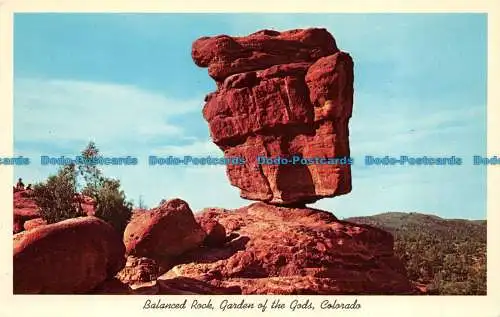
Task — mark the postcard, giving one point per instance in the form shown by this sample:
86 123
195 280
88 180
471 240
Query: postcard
250 161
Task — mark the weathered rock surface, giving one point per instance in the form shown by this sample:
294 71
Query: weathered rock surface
24 209
34 223
68 257
190 286
144 276
163 232
284 95
216 233
225 55
278 250
138 270
266 250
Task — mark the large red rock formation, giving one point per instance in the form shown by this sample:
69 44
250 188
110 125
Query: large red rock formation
68 257
280 95
271 250
163 232
278 250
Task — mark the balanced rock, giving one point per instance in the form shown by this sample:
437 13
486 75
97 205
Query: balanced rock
68 257
163 232
279 250
282 95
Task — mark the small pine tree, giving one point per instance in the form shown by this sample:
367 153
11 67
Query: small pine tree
111 203
92 176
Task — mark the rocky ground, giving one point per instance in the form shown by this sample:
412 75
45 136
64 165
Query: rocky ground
257 249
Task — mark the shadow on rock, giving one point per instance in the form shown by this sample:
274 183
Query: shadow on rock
186 285
210 255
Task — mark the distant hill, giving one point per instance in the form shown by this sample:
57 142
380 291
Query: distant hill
448 256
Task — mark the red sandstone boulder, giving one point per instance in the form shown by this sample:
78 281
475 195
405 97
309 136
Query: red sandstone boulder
34 223
166 231
283 95
145 288
138 270
71 256
25 209
277 250
225 55
216 233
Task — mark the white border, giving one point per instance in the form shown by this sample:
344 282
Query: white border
122 306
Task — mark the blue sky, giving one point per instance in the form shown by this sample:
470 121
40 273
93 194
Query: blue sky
127 82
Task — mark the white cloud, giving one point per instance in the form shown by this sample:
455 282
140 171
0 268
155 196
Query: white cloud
400 126
48 110
63 112
197 148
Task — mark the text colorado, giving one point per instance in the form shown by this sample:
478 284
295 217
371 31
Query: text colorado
298 160
408 160
326 304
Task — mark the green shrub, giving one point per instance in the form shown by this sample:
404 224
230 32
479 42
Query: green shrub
55 197
112 206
